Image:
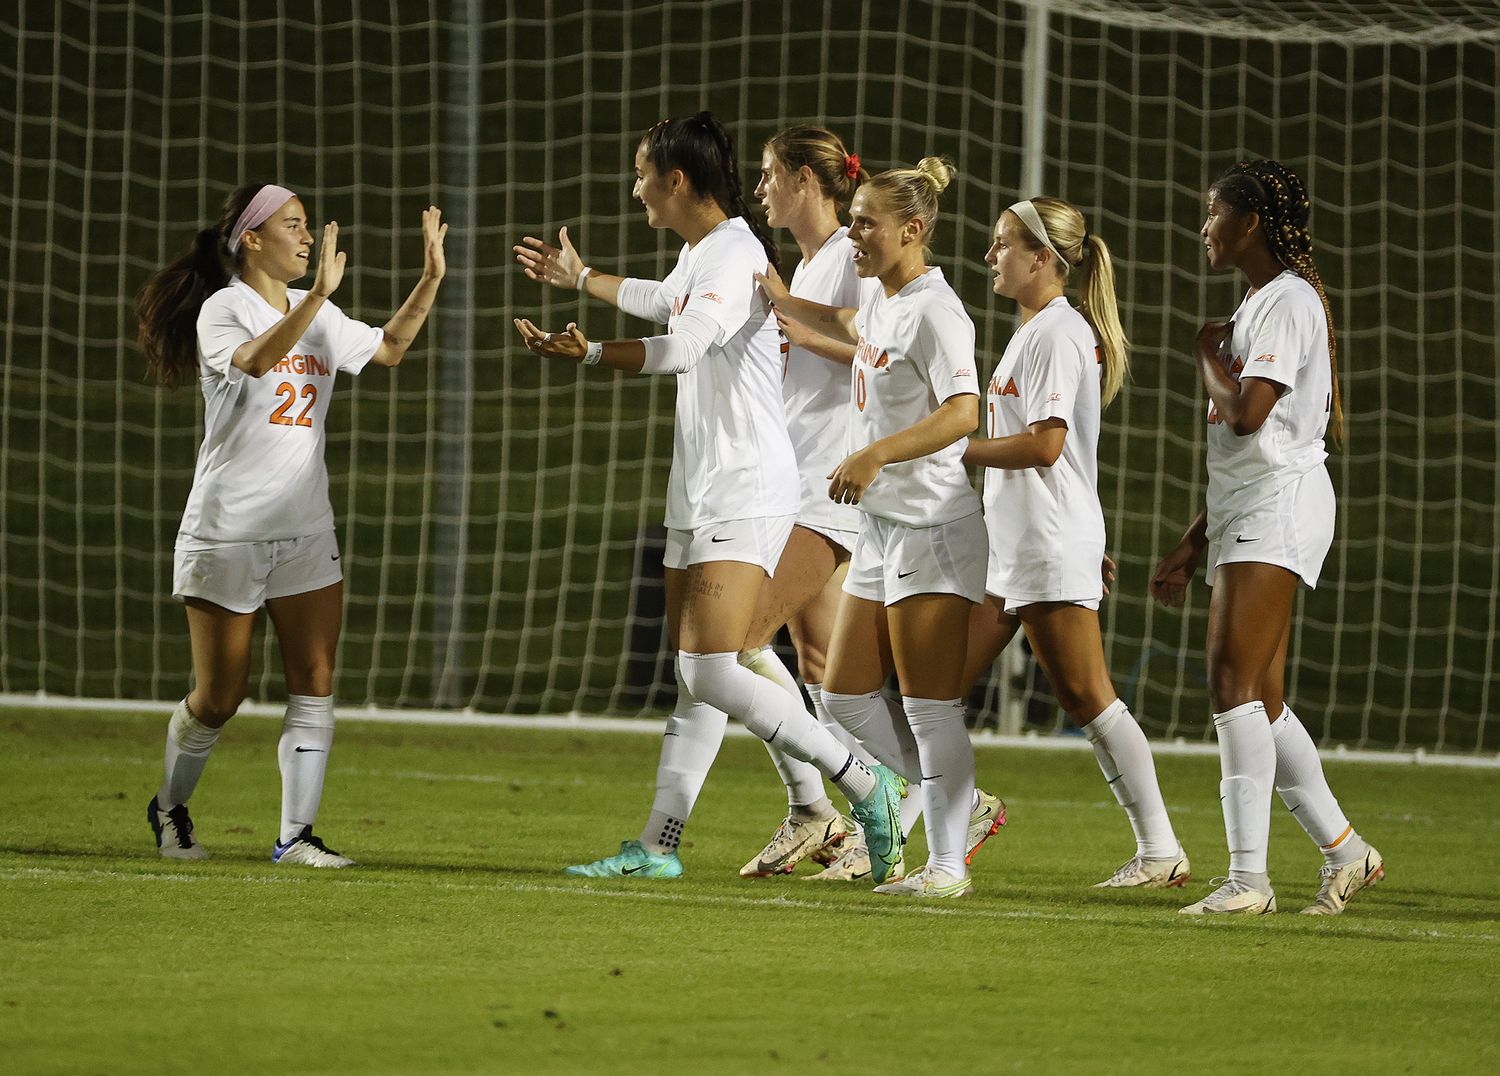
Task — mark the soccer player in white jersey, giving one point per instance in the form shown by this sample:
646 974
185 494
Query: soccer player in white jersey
733 493
807 177
258 529
919 564
1271 373
1041 499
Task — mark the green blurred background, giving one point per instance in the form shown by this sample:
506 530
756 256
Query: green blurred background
497 514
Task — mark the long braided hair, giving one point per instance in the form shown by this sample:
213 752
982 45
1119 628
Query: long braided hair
1278 195
700 148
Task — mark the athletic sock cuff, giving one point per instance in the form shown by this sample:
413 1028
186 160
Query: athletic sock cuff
309 711
1098 728
927 711
190 734
1234 714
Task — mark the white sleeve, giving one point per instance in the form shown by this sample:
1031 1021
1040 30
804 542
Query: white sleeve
350 343
944 342
1275 351
1051 369
648 299
678 352
220 334
722 286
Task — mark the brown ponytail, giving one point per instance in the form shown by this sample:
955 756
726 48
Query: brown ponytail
166 308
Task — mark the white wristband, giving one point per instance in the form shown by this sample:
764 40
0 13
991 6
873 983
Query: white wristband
582 275
594 353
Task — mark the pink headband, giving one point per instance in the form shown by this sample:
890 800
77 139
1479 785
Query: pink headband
267 200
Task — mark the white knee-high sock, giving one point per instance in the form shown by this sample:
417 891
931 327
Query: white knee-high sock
775 716
189 742
1305 791
689 745
841 734
947 779
1124 756
306 737
804 782
1247 762
873 722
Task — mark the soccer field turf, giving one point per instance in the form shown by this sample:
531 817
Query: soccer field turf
457 944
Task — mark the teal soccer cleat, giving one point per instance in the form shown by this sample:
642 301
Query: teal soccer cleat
880 816
633 861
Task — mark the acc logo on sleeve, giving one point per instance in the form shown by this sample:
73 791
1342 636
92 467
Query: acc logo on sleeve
1264 358
713 297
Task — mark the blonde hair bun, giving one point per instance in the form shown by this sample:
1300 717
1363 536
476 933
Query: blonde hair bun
937 171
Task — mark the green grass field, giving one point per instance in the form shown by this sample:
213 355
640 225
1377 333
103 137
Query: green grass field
458 945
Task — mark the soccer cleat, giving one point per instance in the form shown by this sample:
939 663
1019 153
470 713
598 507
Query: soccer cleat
1233 898
174 832
1138 872
632 861
306 850
853 865
1341 883
984 822
928 883
879 815
796 840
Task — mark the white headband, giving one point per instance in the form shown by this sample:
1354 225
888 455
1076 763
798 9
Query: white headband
267 200
1033 221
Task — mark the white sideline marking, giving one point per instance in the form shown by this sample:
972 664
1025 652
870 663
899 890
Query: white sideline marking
883 907
648 726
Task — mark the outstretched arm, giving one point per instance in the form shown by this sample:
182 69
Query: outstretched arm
404 325
563 267
1175 571
1039 446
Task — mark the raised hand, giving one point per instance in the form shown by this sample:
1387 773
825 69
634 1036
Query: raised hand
330 262
568 344
558 266
434 262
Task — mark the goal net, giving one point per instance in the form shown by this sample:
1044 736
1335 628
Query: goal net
500 517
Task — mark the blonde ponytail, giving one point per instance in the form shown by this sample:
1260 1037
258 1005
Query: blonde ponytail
1068 233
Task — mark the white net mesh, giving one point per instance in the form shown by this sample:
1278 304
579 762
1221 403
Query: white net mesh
498 516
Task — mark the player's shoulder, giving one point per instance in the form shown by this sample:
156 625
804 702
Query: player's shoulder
231 297
1292 294
1059 321
931 297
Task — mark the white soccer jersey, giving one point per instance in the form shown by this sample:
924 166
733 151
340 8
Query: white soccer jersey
1045 525
816 390
1280 334
915 350
261 475
731 456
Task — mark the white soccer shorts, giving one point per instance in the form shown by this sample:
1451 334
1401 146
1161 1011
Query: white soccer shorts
243 576
892 561
751 541
1294 531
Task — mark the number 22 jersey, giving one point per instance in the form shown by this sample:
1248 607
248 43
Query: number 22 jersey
261 475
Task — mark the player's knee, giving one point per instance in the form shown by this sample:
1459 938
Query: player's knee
310 677
216 704
1230 687
811 664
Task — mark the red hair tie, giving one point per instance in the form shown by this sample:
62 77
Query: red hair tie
851 166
